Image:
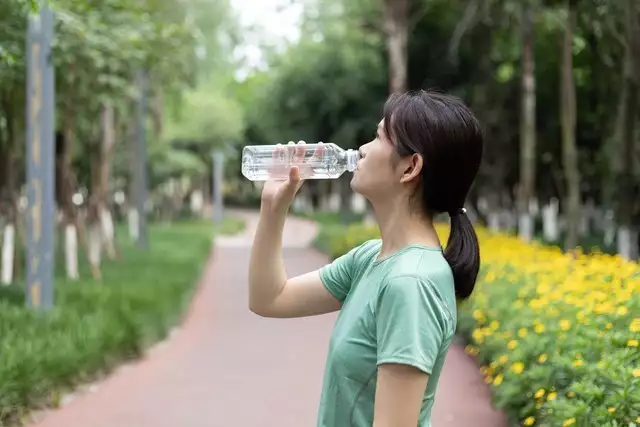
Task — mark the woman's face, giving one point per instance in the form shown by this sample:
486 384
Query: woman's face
381 173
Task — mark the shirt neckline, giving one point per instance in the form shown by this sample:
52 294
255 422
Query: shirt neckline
407 248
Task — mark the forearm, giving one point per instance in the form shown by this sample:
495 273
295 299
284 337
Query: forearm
267 275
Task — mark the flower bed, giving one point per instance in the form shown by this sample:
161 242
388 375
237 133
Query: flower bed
557 333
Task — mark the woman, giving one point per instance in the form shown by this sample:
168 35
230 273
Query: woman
397 295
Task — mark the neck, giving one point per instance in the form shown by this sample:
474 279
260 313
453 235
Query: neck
399 228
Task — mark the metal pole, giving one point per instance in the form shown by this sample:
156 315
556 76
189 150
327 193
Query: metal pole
218 164
140 164
40 161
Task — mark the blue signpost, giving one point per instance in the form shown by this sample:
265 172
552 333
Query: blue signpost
40 216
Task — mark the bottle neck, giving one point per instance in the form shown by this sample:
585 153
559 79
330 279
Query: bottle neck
352 159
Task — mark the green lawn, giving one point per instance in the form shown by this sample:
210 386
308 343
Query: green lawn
97 325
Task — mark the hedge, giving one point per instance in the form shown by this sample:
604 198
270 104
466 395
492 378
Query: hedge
97 325
556 334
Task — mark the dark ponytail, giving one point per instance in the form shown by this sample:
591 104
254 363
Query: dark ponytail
463 254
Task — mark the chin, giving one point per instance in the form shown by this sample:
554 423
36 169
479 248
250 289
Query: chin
357 186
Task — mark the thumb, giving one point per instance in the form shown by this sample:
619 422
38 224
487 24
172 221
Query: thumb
294 181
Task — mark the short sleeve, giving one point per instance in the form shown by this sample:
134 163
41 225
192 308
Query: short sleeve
411 323
337 276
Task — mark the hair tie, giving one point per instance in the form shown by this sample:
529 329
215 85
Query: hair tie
457 212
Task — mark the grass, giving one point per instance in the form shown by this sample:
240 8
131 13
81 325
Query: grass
97 325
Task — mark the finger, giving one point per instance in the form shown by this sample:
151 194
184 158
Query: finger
278 163
300 152
319 151
293 184
294 175
291 152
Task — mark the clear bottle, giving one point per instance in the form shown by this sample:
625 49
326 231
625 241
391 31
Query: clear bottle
315 161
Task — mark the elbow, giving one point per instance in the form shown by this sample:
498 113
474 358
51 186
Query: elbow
255 309
259 309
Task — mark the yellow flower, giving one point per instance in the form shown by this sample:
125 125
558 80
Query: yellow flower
539 328
635 325
498 379
578 362
636 373
512 344
539 393
529 421
517 368
552 395
522 332
542 358
612 410
633 343
568 422
565 324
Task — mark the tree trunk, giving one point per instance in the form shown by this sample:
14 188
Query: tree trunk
527 129
8 202
107 120
568 120
65 188
396 16
627 119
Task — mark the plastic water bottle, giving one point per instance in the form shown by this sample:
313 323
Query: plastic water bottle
315 161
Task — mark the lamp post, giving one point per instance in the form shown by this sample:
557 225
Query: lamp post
218 176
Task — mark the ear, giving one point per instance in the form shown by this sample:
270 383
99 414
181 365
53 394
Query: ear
412 168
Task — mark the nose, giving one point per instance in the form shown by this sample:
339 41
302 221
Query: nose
363 150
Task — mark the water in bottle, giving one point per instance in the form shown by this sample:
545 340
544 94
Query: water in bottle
315 161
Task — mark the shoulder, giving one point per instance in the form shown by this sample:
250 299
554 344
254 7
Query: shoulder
419 290
369 248
364 251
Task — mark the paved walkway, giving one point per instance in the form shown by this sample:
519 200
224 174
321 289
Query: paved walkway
229 368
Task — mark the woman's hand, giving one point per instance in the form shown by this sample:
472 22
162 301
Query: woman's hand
277 195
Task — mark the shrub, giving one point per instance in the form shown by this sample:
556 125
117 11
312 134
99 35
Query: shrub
556 333
96 325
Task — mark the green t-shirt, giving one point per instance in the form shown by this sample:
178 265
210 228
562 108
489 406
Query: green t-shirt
400 309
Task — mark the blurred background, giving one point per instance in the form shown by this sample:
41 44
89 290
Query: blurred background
143 95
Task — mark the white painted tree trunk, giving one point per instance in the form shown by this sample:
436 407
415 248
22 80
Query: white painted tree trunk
134 224
550 226
71 251
628 243
525 227
108 232
493 219
197 202
8 253
609 227
334 201
358 203
95 245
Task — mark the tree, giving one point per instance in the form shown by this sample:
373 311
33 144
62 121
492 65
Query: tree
568 119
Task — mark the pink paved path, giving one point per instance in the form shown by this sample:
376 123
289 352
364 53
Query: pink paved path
229 368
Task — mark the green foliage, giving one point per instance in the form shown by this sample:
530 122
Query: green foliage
95 326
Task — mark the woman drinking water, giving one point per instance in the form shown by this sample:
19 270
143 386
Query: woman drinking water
396 295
